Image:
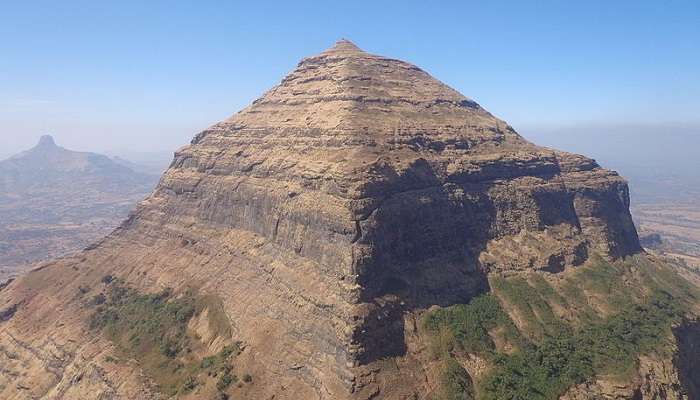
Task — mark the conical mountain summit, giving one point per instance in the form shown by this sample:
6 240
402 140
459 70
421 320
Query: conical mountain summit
46 141
324 218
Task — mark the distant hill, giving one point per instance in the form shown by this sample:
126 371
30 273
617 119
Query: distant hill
54 201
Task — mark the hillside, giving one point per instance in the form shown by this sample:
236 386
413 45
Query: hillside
54 201
361 231
661 167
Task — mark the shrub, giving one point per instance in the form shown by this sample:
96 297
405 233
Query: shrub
98 299
190 384
222 396
169 348
207 362
225 381
231 349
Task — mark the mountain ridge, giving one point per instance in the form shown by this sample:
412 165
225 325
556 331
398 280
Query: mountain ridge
51 158
54 201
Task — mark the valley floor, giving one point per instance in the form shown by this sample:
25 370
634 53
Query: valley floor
678 225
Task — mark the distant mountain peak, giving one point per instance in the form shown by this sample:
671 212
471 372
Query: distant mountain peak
48 163
46 141
344 47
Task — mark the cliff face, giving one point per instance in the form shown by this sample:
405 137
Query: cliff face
392 183
357 191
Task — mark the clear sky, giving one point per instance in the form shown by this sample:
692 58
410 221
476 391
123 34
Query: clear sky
146 76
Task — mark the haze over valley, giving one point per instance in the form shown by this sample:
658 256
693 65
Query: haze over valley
54 201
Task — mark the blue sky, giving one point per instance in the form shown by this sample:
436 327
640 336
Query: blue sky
131 76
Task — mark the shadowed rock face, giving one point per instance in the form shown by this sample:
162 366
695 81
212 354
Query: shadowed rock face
358 189
688 358
394 183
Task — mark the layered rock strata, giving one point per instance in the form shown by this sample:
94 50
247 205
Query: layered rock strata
357 190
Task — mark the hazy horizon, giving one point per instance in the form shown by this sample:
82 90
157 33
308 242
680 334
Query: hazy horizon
134 78
663 148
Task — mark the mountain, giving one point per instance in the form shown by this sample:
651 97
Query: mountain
663 173
361 231
54 201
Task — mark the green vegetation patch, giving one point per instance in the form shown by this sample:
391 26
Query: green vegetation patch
531 305
546 370
465 327
608 281
152 328
456 382
661 276
615 312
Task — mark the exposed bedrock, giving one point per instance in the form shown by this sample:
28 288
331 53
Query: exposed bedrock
687 360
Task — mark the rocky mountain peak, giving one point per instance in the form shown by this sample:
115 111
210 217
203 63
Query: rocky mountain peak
358 191
46 141
373 99
344 46
46 145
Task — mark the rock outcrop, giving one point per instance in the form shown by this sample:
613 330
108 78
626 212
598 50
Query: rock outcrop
356 191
